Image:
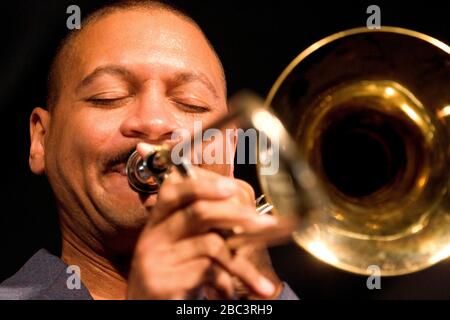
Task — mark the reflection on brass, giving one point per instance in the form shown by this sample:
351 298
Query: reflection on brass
360 119
367 110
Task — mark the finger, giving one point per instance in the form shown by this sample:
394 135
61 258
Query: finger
214 247
202 216
190 277
145 148
249 276
271 236
246 194
174 195
209 245
240 289
203 272
183 281
220 286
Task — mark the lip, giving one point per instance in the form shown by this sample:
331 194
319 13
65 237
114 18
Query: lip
121 170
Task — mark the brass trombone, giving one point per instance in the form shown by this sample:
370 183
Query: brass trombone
361 119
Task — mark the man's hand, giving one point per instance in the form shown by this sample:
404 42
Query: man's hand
180 253
256 253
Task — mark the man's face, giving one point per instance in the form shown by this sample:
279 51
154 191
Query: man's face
134 76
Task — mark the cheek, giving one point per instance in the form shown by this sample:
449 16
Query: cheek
97 129
84 137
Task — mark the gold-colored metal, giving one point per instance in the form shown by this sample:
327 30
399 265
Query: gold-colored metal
368 109
145 174
361 122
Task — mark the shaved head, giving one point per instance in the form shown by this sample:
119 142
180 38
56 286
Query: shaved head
66 58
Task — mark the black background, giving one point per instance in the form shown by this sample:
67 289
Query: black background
255 40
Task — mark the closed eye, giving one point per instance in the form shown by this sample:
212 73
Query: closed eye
192 108
115 102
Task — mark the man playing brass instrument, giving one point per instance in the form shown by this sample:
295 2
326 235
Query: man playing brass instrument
135 73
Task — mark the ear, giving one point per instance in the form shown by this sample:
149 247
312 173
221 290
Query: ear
39 121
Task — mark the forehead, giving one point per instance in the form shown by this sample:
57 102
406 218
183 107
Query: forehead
147 40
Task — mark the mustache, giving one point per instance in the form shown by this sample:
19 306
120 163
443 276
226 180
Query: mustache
119 158
123 155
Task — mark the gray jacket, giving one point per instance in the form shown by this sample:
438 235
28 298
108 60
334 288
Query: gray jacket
45 277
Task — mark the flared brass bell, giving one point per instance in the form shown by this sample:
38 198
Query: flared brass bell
361 120
370 110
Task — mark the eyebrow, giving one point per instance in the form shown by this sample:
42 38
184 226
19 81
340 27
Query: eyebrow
179 78
189 77
113 70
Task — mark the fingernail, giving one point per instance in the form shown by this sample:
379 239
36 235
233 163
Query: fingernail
266 220
226 186
144 148
238 230
266 286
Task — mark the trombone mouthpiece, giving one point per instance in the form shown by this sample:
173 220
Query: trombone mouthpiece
145 174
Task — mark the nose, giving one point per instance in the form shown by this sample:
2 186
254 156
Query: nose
150 119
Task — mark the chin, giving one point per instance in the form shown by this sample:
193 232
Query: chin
123 206
124 218
116 185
